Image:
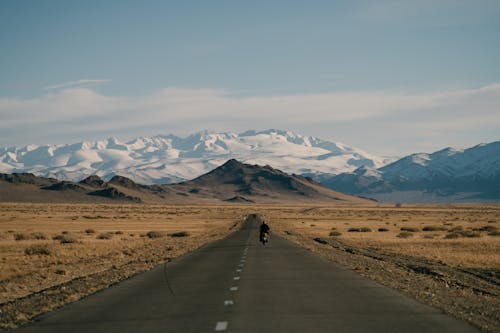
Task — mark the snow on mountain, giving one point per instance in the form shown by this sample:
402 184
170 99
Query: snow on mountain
449 174
168 158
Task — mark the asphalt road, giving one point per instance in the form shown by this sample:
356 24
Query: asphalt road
238 285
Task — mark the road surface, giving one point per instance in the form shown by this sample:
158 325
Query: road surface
238 285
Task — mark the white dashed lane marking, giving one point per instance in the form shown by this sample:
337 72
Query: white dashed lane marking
238 270
236 278
233 288
221 326
228 302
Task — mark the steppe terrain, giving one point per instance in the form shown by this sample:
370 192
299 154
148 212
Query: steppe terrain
52 254
446 256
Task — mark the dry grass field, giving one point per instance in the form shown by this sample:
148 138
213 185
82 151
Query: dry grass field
462 237
46 246
445 256
52 254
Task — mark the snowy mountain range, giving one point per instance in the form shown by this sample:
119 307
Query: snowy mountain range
446 175
165 159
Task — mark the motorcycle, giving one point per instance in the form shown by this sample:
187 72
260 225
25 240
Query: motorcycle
264 238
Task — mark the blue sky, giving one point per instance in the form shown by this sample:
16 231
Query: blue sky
236 65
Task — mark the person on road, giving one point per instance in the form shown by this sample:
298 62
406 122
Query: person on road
264 232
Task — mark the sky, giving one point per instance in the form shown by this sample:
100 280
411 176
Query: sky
392 77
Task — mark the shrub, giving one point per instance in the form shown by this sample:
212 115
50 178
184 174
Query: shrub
65 238
466 233
457 228
488 228
471 234
155 234
434 228
119 232
430 236
20 236
363 229
180 234
38 235
404 234
320 240
38 249
410 229
105 235
89 231
335 233
382 229
494 233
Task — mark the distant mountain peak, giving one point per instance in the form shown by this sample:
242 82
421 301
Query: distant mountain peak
446 175
167 158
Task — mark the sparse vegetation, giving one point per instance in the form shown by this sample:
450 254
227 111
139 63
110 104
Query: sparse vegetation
488 228
409 229
320 240
38 235
335 233
38 249
465 233
89 231
418 254
105 236
21 236
405 234
363 229
382 230
457 228
155 234
434 228
206 223
65 238
180 234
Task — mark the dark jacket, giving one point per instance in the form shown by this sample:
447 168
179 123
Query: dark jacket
264 228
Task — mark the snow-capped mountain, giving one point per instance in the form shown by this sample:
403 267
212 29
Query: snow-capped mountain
465 175
168 158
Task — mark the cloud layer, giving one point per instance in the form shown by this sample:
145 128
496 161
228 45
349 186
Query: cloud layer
387 122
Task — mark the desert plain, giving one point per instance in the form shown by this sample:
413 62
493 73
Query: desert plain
444 255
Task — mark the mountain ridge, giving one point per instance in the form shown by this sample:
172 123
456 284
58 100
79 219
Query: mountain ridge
448 174
232 182
168 158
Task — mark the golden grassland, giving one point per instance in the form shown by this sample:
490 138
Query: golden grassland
47 246
42 245
465 236
444 256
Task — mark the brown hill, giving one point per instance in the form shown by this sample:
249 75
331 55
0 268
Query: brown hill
232 182
238 182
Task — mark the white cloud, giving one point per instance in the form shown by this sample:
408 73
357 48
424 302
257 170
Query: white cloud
77 83
377 121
